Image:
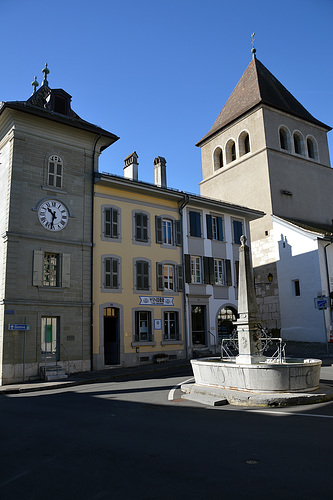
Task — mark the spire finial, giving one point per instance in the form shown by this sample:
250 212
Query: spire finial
253 50
46 71
35 85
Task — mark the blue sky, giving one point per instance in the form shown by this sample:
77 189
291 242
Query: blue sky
158 73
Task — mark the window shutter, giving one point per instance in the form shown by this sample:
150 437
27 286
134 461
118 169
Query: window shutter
107 222
145 266
220 228
180 278
65 270
206 270
144 227
159 276
209 227
188 277
114 264
139 281
228 272
208 264
178 225
137 227
158 228
237 271
114 223
37 277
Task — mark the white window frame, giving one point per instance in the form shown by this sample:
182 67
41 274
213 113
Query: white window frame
219 272
169 277
55 178
196 269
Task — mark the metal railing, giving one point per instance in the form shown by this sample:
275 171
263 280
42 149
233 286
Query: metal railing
229 346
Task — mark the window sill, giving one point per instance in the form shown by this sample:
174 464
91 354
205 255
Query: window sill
52 288
172 342
53 189
143 343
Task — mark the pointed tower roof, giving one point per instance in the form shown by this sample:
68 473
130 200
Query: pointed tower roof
259 86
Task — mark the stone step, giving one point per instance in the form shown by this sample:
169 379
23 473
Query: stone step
53 372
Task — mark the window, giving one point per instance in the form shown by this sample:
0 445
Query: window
244 143
284 142
298 143
142 275
143 330
111 273
196 273
296 288
171 325
111 222
55 171
168 231
237 226
219 271
169 277
312 148
230 151
195 224
214 227
141 227
50 335
218 159
51 269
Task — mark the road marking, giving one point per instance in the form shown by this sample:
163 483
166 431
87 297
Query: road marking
173 390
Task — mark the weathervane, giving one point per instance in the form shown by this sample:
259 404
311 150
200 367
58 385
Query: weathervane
253 50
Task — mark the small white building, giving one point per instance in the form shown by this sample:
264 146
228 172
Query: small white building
304 257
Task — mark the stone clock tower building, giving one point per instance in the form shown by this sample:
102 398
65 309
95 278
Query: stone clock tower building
267 152
48 156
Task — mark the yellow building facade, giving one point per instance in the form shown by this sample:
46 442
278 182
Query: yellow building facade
137 273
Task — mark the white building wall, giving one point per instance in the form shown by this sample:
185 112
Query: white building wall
298 259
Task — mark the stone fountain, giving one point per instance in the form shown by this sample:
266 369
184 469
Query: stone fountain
251 378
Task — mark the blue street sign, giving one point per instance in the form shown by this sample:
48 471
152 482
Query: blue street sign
13 326
321 302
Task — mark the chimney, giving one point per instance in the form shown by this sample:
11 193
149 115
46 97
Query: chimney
160 172
131 167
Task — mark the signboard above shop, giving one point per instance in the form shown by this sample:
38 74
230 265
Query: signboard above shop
156 301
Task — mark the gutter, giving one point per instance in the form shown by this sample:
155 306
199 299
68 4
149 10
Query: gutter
182 205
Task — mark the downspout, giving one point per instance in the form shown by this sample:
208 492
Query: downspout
328 289
91 254
182 205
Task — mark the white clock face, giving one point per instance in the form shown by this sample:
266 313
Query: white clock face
53 215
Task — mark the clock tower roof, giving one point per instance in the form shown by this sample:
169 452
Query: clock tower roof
55 105
258 86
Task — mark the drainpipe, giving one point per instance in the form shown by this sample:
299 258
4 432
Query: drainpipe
182 205
328 288
91 253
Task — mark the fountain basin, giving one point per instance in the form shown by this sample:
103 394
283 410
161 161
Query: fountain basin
293 375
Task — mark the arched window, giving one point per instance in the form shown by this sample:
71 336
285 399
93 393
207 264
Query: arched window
284 143
225 322
312 148
298 143
55 171
218 159
244 143
230 151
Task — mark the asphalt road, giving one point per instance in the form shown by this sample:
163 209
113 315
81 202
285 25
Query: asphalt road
127 440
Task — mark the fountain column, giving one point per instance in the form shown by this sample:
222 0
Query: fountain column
248 333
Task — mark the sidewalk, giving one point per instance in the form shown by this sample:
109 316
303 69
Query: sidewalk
93 377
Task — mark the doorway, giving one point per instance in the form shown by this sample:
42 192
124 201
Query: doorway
198 325
111 336
225 322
